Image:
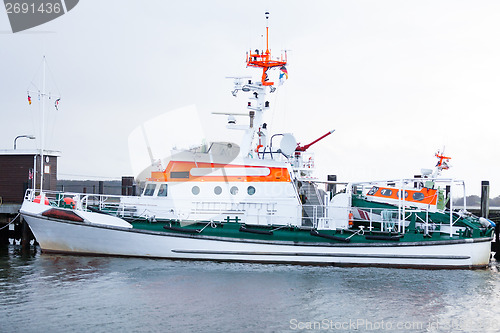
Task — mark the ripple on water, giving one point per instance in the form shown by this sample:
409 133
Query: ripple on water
69 293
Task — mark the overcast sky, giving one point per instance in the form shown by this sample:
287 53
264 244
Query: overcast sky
397 80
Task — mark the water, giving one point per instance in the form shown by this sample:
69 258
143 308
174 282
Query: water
59 293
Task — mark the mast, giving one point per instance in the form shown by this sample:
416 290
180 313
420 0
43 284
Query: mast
42 133
257 102
42 94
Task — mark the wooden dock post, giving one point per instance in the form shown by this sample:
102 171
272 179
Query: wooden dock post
497 241
485 198
495 246
4 231
485 210
25 237
128 185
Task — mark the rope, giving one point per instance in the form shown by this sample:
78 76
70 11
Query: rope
5 226
211 224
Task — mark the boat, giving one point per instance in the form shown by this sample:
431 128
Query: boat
259 201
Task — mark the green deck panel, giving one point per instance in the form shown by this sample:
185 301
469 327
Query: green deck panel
230 229
289 234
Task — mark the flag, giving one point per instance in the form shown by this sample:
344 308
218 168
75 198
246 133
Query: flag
283 75
284 72
56 104
29 99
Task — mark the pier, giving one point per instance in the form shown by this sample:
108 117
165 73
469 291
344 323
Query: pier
21 170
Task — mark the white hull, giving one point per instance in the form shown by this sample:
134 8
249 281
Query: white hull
93 239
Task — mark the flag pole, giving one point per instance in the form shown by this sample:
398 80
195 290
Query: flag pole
42 169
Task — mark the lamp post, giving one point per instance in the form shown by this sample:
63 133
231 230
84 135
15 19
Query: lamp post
31 137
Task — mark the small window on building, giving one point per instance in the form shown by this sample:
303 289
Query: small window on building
418 196
149 190
162 192
234 190
251 190
386 192
195 190
218 190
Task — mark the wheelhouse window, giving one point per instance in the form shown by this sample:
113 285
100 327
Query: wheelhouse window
373 190
162 192
149 190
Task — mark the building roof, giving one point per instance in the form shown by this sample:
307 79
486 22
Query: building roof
46 152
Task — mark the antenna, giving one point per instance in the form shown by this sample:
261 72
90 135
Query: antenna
263 59
267 33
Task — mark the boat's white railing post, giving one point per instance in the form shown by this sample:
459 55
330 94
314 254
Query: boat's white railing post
382 222
451 208
401 228
400 202
427 221
465 196
78 201
84 202
370 217
315 216
34 172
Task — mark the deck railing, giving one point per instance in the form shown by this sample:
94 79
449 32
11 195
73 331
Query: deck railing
381 219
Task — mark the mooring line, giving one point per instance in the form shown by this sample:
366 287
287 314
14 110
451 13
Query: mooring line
12 221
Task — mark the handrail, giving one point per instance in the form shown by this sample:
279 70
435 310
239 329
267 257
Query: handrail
377 218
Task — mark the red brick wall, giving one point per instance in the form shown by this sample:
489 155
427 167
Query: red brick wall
14 176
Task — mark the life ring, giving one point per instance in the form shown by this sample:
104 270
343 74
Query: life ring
69 202
38 198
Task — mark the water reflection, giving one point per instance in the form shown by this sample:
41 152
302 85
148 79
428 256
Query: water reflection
41 292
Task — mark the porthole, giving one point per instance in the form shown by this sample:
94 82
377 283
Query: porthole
251 190
418 196
386 192
233 190
399 194
195 190
218 190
